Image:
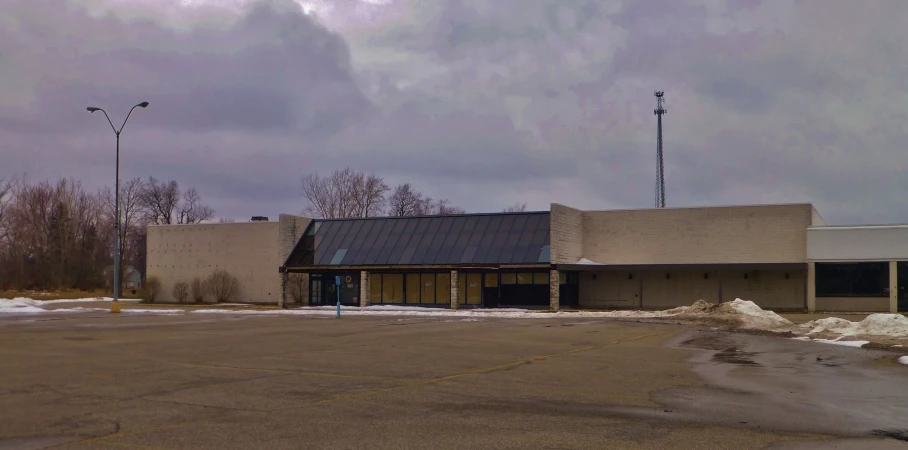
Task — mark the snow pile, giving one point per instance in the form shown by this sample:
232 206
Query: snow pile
739 314
588 262
754 317
894 325
20 305
904 360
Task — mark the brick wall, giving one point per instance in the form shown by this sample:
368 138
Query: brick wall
250 251
566 240
291 229
739 234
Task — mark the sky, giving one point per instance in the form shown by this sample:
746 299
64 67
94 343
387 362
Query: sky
484 102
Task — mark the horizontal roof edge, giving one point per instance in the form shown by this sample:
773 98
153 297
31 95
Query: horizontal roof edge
433 216
858 227
755 205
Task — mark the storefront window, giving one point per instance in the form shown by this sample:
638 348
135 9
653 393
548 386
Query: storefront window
392 288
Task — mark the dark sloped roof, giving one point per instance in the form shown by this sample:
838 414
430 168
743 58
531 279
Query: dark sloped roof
505 238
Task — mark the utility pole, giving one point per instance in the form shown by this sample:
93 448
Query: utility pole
660 170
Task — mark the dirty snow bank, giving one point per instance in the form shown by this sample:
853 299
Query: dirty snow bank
737 314
20 305
894 325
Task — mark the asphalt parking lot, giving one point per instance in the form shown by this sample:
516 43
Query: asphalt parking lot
101 380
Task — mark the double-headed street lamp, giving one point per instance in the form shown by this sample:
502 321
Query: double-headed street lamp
115 305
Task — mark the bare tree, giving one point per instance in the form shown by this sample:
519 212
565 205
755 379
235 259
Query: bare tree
406 201
516 207
160 199
192 210
344 194
181 291
442 208
133 217
223 285
6 189
198 290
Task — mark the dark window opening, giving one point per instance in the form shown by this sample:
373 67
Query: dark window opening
864 279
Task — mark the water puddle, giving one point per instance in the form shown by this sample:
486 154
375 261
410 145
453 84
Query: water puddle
778 384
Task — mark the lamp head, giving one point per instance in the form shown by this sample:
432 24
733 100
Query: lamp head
143 104
92 109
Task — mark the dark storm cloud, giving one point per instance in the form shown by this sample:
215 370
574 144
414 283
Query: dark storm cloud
272 80
279 82
485 102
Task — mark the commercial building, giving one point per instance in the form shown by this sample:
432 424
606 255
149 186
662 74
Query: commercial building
782 257
251 251
859 268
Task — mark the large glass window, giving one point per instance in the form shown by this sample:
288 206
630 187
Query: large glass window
864 279
375 288
509 278
524 278
392 288
428 287
541 278
413 288
443 288
474 288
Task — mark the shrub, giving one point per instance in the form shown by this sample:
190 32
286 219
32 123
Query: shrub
298 287
181 291
198 290
223 286
152 289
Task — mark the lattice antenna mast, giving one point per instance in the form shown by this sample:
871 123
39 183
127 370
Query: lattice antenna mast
660 172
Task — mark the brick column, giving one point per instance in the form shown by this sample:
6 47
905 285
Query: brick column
365 289
455 290
282 300
811 287
554 290
893 287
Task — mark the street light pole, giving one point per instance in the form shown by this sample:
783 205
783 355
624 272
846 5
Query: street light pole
115 305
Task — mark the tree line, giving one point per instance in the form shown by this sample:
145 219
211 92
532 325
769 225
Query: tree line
347 193
60 235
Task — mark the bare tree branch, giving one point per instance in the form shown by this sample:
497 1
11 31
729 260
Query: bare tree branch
192 210
160 199
516 207
406 201
343 194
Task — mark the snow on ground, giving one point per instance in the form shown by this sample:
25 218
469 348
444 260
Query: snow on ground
20 305
904 360
838 342
737 314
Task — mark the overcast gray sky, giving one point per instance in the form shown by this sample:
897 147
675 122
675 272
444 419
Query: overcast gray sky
486 102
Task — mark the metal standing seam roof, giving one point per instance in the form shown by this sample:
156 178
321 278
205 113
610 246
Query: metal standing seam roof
503 238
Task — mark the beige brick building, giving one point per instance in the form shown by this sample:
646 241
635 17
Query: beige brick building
251 251
782 257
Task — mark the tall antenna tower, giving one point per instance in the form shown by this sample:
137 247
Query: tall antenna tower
660 173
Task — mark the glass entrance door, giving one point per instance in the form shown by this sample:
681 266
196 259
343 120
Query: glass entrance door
315 290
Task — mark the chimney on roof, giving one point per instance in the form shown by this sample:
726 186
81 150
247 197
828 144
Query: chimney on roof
259 219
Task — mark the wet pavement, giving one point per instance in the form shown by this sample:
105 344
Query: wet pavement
779 384
97 380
